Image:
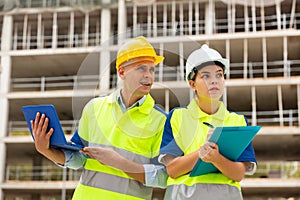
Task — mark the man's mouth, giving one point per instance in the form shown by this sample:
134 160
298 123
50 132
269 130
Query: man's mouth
145 84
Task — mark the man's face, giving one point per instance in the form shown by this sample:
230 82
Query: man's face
138 76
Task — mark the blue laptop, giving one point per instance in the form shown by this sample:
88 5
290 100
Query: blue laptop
58 139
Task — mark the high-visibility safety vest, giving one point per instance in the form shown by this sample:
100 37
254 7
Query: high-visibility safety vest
135 134
190 133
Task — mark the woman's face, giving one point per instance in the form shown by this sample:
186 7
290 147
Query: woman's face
209 82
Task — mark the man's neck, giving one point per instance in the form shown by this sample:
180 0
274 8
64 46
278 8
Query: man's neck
129 98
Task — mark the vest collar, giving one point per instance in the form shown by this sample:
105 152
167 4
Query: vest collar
145 106
196 112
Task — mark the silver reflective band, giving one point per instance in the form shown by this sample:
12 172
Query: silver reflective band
115 184
203 191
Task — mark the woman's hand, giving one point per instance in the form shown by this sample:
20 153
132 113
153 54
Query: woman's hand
209 152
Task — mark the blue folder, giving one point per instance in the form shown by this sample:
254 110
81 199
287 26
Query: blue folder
58 139
232 141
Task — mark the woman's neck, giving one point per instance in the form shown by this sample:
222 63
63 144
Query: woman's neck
209 106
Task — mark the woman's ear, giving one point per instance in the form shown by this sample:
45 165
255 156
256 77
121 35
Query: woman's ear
192 84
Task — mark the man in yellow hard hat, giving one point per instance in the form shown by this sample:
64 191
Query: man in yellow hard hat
121 133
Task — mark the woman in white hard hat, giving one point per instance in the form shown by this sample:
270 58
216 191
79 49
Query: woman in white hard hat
185 135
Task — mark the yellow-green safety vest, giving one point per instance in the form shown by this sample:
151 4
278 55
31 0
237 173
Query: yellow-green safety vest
190 133
135 134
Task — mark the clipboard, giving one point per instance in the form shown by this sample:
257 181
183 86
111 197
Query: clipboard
58 139
232 141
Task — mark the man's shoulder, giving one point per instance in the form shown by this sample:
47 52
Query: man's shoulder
97 101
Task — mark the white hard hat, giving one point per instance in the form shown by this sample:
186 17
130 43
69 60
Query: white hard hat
203 57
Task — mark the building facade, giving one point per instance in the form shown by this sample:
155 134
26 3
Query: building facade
63 53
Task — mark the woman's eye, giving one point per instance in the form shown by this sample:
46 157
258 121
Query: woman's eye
219 75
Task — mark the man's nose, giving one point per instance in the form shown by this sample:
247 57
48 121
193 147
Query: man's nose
148 73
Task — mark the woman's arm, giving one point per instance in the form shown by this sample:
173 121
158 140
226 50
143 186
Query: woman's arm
177 166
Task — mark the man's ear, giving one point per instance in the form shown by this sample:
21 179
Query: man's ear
121 72
192 84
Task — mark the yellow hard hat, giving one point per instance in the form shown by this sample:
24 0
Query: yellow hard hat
135 48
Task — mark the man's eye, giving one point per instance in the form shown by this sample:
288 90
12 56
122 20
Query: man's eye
152 69
142 68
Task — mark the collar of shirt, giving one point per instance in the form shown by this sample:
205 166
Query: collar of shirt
196 112
122 104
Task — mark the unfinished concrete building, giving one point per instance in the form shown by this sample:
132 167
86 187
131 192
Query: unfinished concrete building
63 53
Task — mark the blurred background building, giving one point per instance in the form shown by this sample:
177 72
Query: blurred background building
62 52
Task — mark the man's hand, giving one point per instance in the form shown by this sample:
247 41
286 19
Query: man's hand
106 156
41 136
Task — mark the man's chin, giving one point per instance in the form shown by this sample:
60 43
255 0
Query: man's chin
143 92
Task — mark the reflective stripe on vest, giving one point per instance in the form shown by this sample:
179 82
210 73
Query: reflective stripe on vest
83 192
115 184
190 133
204 191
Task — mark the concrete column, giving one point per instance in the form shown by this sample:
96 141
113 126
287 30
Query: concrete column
253 103
278 14
165 18
105 60
253 16
197 15
4 88
293 14
122 21
265 57
173 18
39 31
190 17
86 30
71 29
154 20
246 17
229 17
280 105
245 55
262 16
209 17
54 31
135 31
25 25
227 46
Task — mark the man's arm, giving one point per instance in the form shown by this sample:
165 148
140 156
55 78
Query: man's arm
110 157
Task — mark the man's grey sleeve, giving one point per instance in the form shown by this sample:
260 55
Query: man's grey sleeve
155 176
